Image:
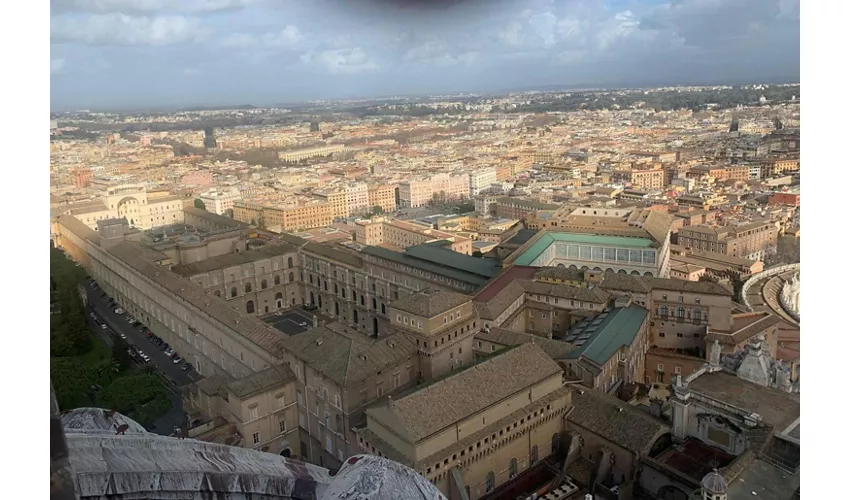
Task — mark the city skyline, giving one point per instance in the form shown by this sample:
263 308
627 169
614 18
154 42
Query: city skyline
112 53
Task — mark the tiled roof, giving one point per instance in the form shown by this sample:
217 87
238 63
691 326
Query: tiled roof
498 303
214 217
233 259
763 321
334 252
777 408
430 303
349 357
615 420
274 376
555 349
441 404
593 295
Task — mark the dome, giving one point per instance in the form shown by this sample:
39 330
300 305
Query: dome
367 477
714 483
97 419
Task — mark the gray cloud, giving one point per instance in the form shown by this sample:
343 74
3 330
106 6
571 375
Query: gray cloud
322 48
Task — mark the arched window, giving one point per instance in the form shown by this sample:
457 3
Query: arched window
336 289
264 284
249 306
247 288
291 277
326 285
383 308
622 271
648 274
289 262
697 316
556 442
635 273
662 311
278 295
354 295
277 280
680 313
217 293
490 482
534 455
233 292
512 469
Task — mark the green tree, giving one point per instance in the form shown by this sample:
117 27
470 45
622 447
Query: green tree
120 354
141 397
72 380
199 203
377 210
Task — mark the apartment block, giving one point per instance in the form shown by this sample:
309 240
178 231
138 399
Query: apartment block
290 218
751 241
382 195
219 202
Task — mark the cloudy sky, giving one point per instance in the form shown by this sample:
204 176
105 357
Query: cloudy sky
137 53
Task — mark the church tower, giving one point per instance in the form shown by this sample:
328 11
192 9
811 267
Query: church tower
713 487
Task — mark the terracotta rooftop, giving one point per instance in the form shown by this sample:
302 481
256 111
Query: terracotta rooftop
616 421
424 412
430 303
776 408
275 376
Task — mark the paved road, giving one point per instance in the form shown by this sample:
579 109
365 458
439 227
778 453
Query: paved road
175 417
118 324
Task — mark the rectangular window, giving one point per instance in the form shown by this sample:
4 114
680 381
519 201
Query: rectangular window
256 437
677 370
329 443
300 398
253 413
302 420
280 401
396 380
660 367
281 424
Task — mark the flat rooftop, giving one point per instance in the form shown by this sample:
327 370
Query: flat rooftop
694 458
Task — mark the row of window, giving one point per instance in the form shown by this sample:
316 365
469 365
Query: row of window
234 292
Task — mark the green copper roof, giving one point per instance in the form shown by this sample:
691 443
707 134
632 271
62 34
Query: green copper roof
547 239
602 339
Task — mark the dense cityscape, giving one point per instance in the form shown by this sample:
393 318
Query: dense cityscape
556 294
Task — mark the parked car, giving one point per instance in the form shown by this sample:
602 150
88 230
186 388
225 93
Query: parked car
119 311
103 326
186 367
302 324
121 334
177 360
169 352
148 333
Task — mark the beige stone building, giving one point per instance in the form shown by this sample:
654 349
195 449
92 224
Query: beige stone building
474 431
289 218
751 241
384 196
141 209
404 234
